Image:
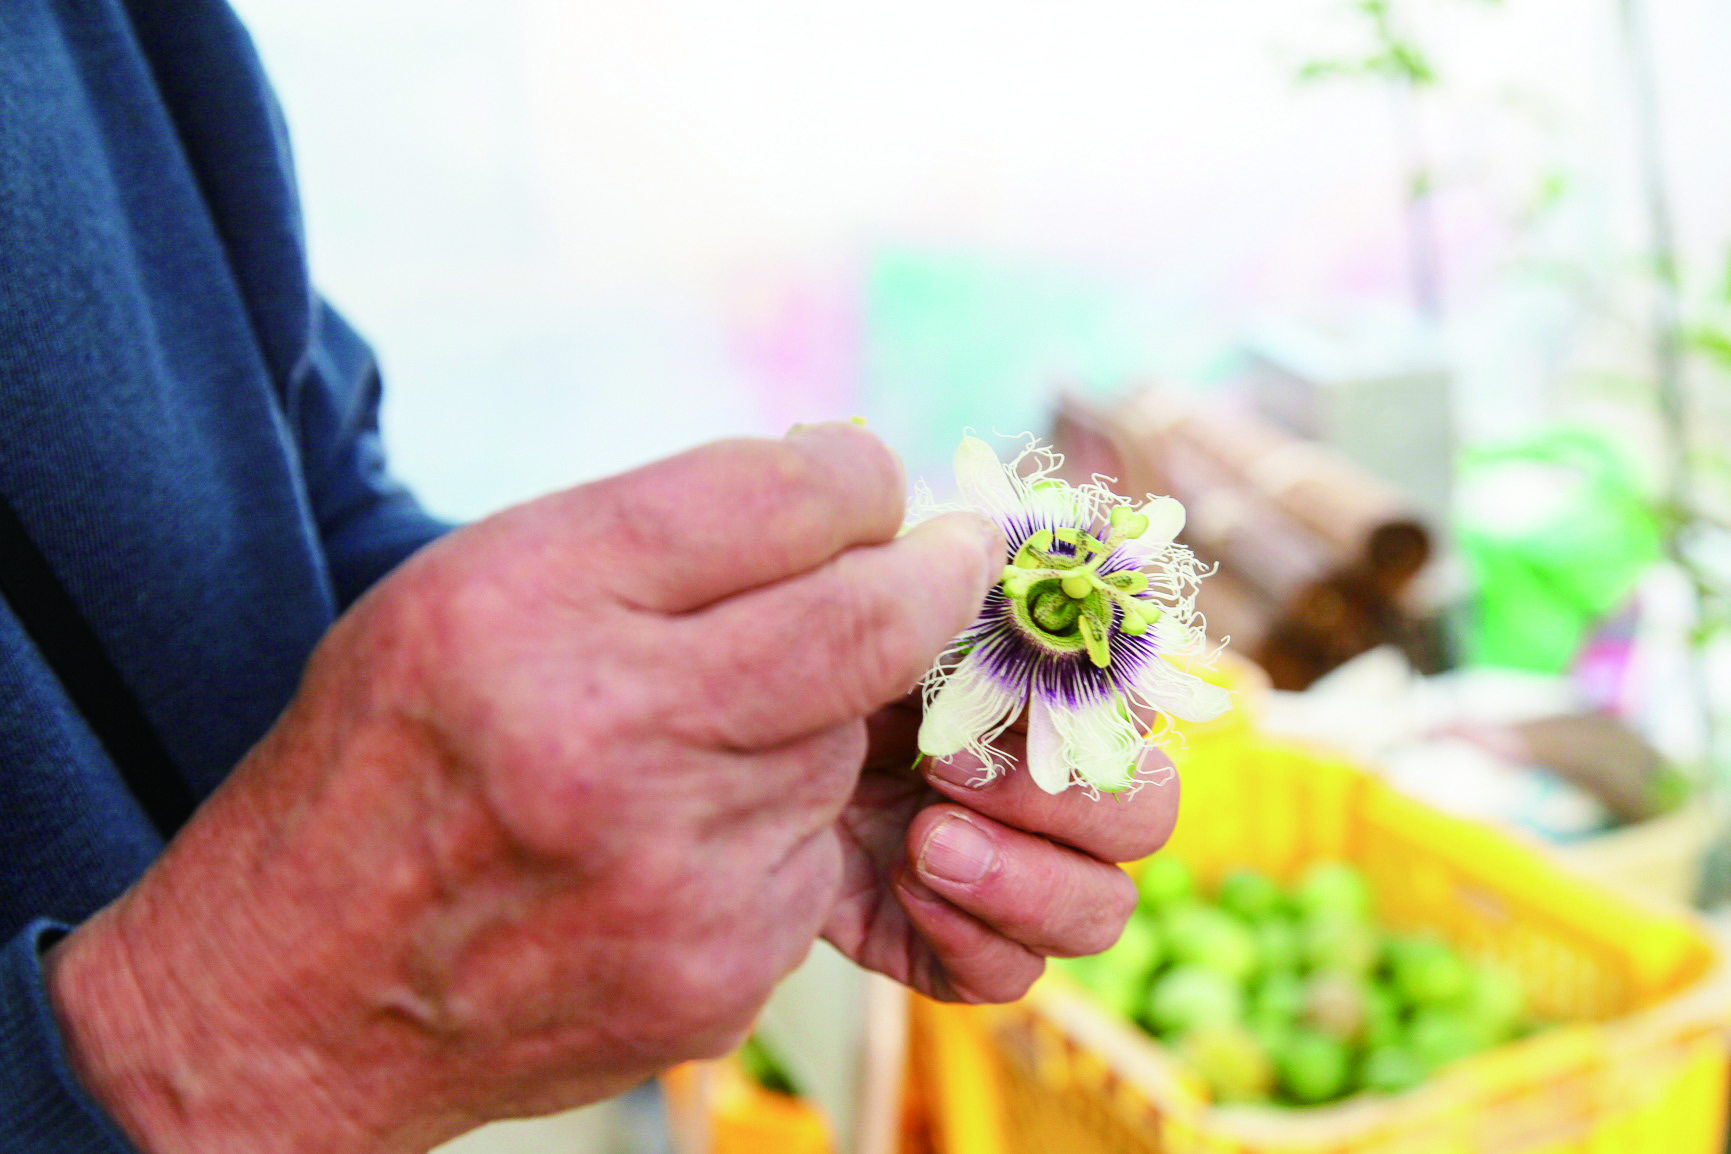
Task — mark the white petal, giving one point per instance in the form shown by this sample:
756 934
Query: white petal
1183 695
970 707
1165 521
1101 740
983 482
1054 502
1046 764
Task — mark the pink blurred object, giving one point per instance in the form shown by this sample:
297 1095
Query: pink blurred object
800 341
1601 670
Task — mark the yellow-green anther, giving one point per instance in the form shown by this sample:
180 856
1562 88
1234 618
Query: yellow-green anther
1120 513
1077 587
1150 611
1099 607
1040 542
1136 525
1095 641
1066 535
1128 580
1133 624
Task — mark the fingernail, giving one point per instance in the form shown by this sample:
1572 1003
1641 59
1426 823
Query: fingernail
946 770
958 852
801 429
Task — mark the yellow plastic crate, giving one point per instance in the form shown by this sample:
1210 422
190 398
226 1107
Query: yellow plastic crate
1640 1069
715 1108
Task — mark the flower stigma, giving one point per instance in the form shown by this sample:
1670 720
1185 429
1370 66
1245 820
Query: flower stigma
1059 593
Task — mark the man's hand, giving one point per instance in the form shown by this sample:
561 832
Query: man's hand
555 807
961 891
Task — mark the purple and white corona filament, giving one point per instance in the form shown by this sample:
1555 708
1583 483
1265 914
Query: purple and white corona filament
1094 599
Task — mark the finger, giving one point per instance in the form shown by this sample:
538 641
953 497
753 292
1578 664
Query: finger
1049 898
835 643
893 733
978 963
730 516
1119 827
790 791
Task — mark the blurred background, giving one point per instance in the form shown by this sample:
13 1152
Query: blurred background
1423 307
542 211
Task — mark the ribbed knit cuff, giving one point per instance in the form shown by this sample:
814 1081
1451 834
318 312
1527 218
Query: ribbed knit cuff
42 1106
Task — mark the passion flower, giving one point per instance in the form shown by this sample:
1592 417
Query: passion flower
1094 599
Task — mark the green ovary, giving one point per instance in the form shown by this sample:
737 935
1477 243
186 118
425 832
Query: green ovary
1053 611
1063 604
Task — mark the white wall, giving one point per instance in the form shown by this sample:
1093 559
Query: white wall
585 234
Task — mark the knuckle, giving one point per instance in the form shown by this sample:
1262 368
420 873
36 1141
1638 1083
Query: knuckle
886 468
1097 910
837 752
1143 828
1006 982
716 1043
1112 912
788 467
786 490
451 601
874 641
860 448
629 513
1122 902
843 466
749 469
701 1000
1143 837
1165 817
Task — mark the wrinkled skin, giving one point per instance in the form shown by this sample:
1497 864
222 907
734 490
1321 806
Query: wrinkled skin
1047 891
560 801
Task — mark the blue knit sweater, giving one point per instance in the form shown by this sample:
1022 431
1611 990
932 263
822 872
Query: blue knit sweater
188 434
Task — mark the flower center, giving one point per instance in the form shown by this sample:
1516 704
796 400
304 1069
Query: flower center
1062 601
1053 611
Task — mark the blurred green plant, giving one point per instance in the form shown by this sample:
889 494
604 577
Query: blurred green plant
1679 311
1710 336
1556 531
763 1067
1395 54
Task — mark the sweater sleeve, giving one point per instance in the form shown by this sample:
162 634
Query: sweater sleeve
209 78
45 1110
368 522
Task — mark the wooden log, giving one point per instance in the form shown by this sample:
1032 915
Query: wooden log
1324 551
